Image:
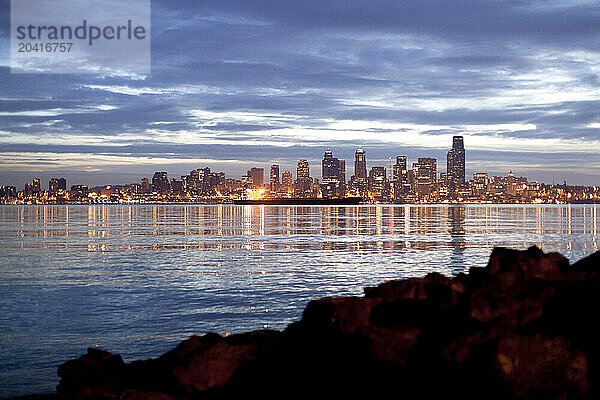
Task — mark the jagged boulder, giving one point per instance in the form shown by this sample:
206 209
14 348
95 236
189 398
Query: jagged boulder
345 314
589 264
94 375
512 267
541 367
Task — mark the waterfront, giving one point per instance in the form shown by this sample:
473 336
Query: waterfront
137 279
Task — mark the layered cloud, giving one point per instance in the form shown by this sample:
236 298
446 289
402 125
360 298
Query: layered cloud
236 84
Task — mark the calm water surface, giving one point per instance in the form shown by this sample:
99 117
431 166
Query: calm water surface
136 280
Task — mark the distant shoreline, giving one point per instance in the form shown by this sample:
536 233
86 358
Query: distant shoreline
310 205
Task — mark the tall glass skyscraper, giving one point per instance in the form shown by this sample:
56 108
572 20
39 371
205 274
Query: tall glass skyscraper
333 176
456 164
274 177
360 165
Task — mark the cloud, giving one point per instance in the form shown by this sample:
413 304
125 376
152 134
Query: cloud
257 82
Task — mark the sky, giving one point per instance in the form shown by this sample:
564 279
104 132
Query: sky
237 84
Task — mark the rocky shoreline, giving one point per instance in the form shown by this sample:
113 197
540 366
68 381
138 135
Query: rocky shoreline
524 327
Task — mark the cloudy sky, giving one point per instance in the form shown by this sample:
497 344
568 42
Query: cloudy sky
236 84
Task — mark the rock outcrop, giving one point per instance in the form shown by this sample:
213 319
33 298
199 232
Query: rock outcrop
524 327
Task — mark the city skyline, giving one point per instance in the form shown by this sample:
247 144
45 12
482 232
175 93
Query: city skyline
425 182
235 84
391 169
328 167
314 170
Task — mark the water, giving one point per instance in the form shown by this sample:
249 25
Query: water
135 280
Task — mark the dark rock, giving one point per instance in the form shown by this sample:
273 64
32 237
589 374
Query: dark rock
392 344
541 367
133 394
590 263
212 367
346 314
514 267
435 287
93 375
495 301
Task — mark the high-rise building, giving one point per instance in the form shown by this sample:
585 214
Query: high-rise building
400 177
287 181
194 183
57 184
202 181
425 175
455 167
257 177
185 179
176 186
378 182
333 174
33 188
480 183
160 182
8 192
303 186
511 189
80 189
302 170
360 165
146 188
400 170
274 177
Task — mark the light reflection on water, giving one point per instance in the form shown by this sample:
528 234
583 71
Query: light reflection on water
137 279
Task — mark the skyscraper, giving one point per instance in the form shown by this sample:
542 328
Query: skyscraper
360 165
160 182
57 184
333 174
329 166
303 187
401 185
33 188
302 170
480 183
510 187
425 175
257 175
146 188
274 175
287 181
378 182
455 166
400 171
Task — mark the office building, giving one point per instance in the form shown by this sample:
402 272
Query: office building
333 175
32 188
146 187
360 165
287 182
303 185
377 183
56 185
455 166
160 182
425 176
480 183
274 177
256 177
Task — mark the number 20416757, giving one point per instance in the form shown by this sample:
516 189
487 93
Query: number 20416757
50 47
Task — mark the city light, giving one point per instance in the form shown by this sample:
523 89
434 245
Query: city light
394 183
